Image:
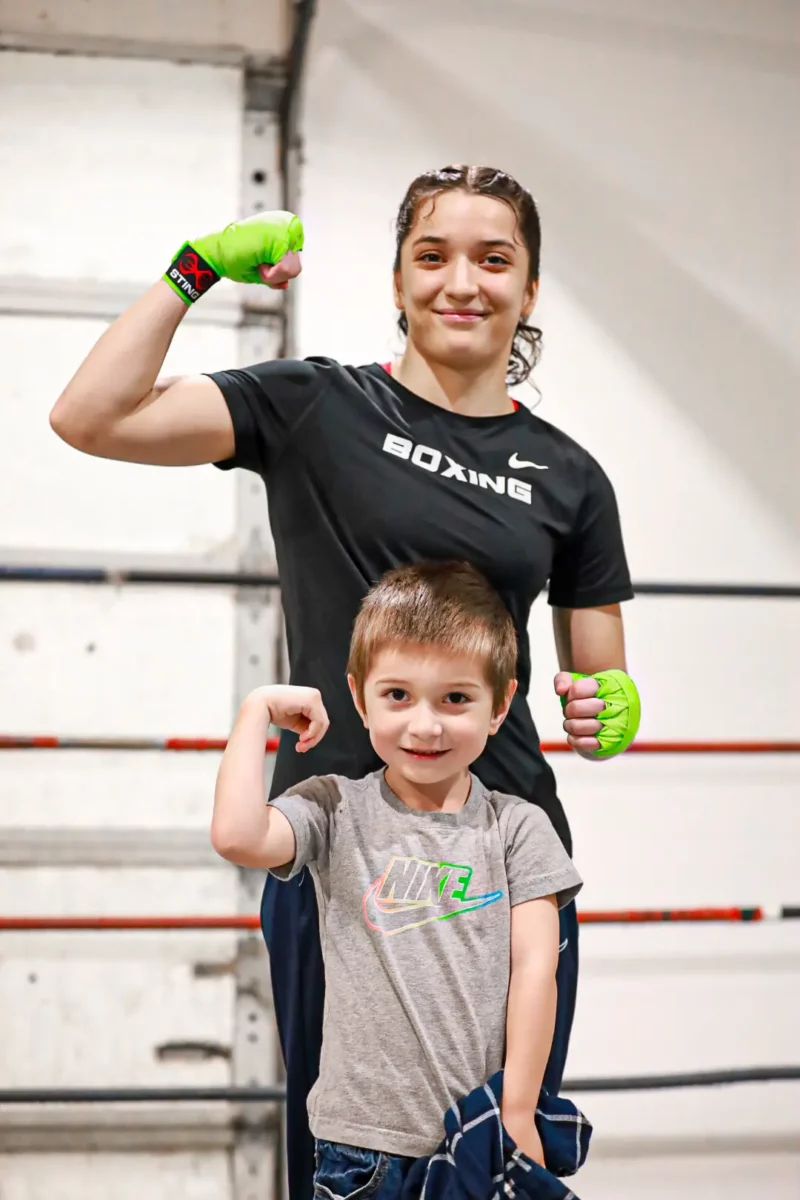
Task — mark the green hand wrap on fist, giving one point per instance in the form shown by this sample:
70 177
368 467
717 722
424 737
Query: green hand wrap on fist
243 251
621 715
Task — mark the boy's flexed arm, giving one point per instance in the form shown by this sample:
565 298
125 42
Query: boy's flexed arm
244 828
530 1017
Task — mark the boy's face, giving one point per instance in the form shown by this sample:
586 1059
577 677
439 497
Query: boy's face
429 712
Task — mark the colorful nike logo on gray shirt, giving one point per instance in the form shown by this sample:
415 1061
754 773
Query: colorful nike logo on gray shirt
412 893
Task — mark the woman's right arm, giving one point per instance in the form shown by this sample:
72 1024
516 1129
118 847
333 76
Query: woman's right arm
116 407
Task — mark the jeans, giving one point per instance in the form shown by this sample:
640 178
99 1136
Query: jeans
349 1173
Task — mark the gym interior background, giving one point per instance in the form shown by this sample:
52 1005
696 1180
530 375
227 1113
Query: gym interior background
660 142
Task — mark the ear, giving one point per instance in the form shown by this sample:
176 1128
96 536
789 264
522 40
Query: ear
397 287
529 299
351 683
502 712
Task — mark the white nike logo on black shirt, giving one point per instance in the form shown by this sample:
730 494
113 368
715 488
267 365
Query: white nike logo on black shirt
518 463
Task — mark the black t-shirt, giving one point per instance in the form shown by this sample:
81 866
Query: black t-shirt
363 475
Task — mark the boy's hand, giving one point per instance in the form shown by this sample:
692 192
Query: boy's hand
298 709
520 1125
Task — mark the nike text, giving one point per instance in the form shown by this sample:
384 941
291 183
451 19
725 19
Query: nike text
412 893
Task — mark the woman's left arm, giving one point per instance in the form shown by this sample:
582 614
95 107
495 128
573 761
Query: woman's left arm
589 639
590 569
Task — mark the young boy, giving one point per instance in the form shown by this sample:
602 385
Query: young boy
438 900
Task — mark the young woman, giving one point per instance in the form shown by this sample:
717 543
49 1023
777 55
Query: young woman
368 468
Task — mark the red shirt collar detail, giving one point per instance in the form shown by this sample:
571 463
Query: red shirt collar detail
388 369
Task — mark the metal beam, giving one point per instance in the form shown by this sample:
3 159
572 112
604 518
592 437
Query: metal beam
42 847
695 1145
86 46
234 306
64 1129
292 149
175 1128
218 32
256 1173
222 558
303 13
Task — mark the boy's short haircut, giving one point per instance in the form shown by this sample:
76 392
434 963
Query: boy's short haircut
445 604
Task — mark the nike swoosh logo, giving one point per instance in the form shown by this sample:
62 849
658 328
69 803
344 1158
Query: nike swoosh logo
518 463
563 945
398 916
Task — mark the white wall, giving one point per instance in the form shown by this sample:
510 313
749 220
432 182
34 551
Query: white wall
92 200
659 142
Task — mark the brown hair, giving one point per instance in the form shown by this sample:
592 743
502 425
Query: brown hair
445 604
484 181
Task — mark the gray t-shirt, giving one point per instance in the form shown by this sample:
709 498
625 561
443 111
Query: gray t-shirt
415 1000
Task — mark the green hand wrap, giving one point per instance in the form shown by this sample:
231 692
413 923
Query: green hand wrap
236 252
621 715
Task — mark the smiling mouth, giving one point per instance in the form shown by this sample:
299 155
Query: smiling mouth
425 755
457 317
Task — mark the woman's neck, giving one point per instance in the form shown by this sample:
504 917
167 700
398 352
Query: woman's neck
479 393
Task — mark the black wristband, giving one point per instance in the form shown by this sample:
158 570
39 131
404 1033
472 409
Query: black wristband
190 275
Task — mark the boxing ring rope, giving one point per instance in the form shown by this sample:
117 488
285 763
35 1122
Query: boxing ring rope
46 741
251 921
24 573
261 1095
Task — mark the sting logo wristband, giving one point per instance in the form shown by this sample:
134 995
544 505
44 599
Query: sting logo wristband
190 275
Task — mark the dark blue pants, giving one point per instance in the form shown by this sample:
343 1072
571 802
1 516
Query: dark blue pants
291 930
347 1170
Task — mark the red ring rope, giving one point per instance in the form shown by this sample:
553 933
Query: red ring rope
633 916
41 741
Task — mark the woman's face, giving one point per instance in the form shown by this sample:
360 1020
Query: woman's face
463 280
